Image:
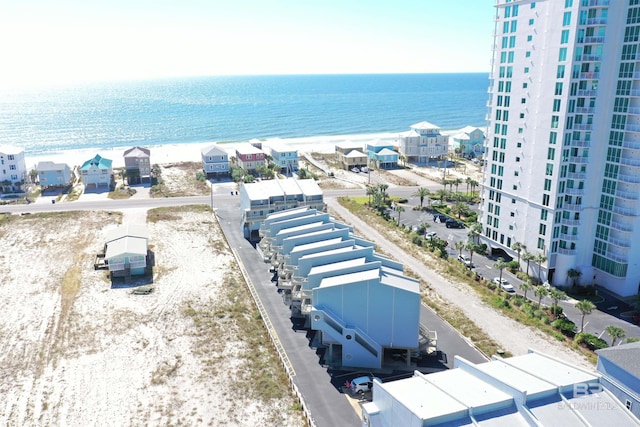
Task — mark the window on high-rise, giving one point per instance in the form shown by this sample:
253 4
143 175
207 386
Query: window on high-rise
515 10
541 243
549 170
632 34
558 90
512 41
510 57
562 55
543 214
533 5
507 86
564 37
547 184
542 229
507 99
507 12
553 136
554 122
505 27
560 72
633 15
568 3
556 105
529 38
527 54
551 153
505 42
514 26
629 52
566 19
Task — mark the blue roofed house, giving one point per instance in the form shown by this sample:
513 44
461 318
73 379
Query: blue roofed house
284 156
620 370
468 142
52 174
97 172
215 160
381 154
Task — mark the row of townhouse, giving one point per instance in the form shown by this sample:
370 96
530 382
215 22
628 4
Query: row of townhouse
260 199
249 156
361 304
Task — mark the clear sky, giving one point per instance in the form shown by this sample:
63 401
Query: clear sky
60 41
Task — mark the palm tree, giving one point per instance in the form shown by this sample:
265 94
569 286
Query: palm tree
500 265
441 194
528 257
473 183
615 332
519 247
584 307
382 188
468 181
540 292
459 245
422 193
457 182
556 295
574 275
539 259
371 191
458 209
399 209
525 287
475 231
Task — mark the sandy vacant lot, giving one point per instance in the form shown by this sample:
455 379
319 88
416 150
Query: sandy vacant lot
77 351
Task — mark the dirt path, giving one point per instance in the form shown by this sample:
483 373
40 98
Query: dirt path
511 335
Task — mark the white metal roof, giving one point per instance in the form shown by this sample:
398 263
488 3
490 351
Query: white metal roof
247 148
126 246
424 126
133 230
337 265
344 279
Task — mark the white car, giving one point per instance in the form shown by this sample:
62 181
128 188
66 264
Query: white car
364 169
431 235
362 384
465 260
355 170
506 286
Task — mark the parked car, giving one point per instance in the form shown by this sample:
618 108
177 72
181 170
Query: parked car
506 286
465 260
452 223
364 169
355 170
440 218
362 384
431 235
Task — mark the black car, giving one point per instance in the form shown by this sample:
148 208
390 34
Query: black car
440 218
452 223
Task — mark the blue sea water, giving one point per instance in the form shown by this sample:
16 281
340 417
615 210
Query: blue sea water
236 108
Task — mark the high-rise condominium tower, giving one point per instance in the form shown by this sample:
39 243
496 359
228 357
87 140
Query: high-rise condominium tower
562 171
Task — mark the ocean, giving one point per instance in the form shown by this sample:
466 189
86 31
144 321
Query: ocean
236 108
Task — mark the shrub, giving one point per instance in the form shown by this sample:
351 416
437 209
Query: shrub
556 309
566 326
513 266
590 341
540 314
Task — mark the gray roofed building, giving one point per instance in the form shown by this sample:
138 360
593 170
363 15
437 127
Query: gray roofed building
620 369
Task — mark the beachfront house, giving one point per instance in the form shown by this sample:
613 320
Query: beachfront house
249 157
284 156
468 142
259 199
350 155
137 164
126 250
52 174
215 161
381 154
97 172
423 142
13 168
